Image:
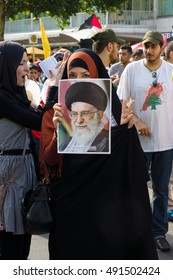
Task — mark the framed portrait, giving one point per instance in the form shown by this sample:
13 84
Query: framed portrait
86 127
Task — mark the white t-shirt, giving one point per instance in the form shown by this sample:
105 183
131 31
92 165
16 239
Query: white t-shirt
153 104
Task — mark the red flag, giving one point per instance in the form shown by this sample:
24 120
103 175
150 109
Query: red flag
164 39
137 46
91 22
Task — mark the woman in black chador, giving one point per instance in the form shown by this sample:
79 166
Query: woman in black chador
100 203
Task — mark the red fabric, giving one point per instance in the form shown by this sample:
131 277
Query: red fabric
48 156
42 104
165 40
36 134
136 47
95 22
90 22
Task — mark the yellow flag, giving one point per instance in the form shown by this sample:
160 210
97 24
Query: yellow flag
45 42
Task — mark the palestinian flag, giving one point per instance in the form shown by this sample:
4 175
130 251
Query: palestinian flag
91 22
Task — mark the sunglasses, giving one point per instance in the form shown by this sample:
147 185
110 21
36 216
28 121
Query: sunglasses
154 76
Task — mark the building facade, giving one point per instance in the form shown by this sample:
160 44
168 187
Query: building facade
135 19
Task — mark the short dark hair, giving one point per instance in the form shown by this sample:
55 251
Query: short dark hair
86 43
126 47
98 47
139 53
34 67
168 49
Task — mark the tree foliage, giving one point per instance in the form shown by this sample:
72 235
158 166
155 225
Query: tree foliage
61 10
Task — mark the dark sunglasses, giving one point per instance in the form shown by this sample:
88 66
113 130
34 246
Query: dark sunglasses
154 76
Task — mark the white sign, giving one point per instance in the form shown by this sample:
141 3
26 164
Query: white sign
33 39
50 63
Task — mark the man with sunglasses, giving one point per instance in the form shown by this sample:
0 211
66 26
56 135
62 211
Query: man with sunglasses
148 82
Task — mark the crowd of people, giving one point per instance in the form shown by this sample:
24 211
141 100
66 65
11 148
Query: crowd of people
105 129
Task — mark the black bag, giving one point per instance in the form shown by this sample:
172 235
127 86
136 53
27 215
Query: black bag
36 209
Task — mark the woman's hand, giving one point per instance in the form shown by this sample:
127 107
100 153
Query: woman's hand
127 113
115 79
58 114
54 80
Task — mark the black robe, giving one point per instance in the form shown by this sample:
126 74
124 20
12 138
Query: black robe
101 204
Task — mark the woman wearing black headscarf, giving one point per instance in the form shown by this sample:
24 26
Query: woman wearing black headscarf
16 117
100 203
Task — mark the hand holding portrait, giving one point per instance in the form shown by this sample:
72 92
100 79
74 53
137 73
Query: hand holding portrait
58 114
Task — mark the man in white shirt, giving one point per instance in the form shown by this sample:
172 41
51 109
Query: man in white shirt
148 82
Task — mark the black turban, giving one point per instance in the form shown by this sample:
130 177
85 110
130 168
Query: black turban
87 92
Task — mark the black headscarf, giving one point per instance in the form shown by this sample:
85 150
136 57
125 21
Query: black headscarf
11 54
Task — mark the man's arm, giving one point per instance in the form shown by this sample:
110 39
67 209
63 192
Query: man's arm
142 128
128 116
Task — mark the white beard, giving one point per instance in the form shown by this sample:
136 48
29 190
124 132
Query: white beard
83 138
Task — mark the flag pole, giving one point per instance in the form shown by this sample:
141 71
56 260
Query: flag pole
33 53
